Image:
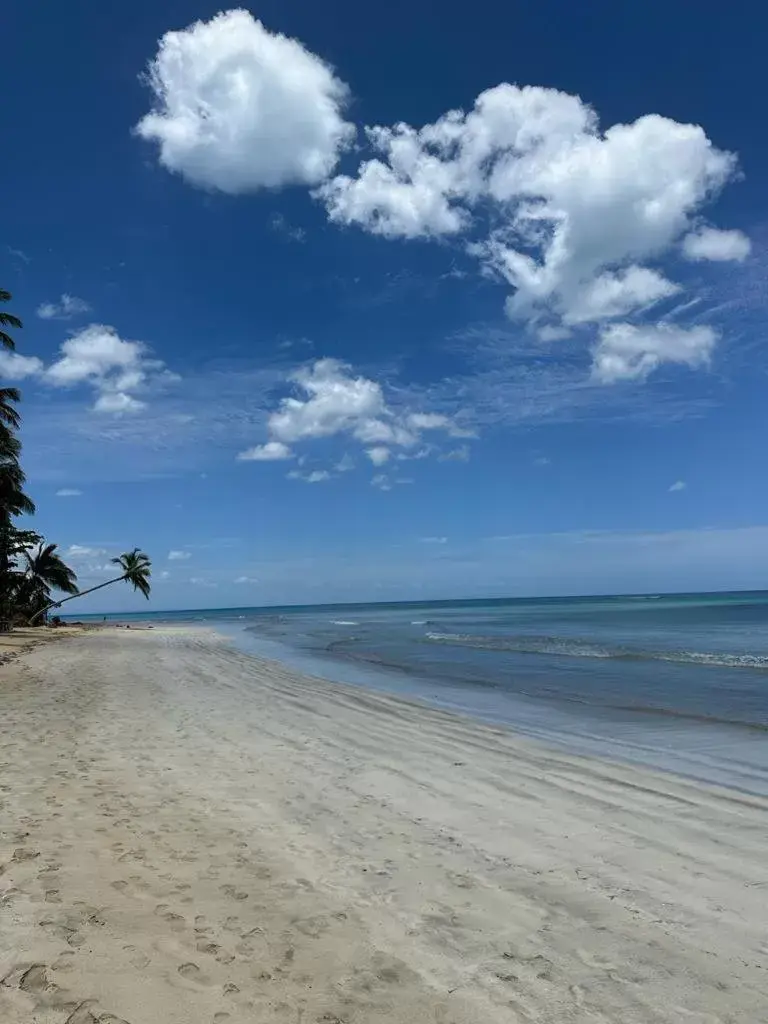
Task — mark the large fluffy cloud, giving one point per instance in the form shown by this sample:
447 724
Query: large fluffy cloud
331 400
567 214
238 108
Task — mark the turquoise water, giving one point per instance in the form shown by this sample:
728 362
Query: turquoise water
679 682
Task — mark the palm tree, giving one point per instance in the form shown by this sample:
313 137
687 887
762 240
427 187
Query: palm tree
7 320
13 500
137 570
8 415
45 571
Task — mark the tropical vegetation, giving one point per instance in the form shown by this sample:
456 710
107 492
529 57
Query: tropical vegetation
32 572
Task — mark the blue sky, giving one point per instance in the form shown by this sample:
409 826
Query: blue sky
320 306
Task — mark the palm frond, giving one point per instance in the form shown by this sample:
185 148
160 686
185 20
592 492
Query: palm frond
48 569
8 414
7 320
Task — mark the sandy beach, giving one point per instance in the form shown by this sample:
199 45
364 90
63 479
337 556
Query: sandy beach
193 835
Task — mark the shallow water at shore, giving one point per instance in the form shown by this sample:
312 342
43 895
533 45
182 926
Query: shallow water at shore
674 682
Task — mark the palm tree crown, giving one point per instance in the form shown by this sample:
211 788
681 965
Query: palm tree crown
47 567
137 570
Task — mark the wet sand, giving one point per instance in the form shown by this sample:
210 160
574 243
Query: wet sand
191 835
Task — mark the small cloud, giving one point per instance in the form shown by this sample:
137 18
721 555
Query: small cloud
460 454
385 483
75 551
378 455
246 579
19 255
67 307
198 581
542 460
68 492
179 556
279 224
315 477
716 245
118 402
272 451
345 464
164 575
433 540
678 485
421 453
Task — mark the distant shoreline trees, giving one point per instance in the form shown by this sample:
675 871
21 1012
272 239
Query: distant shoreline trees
31 569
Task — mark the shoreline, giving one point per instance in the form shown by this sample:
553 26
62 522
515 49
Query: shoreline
23 639
189 832
715 752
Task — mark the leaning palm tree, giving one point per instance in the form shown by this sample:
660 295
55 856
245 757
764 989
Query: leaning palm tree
45 571
7 320
137 570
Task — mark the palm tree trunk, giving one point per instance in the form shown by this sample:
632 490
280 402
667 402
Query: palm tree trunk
82 593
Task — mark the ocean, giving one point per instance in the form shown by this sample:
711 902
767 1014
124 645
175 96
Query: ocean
675 682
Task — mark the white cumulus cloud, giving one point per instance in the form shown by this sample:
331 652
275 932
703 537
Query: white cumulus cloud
678 485
629 352
67 307
568 214
716 245
331 400
98 357
178 556
68 492
239 108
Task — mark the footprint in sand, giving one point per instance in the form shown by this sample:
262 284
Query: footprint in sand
137 957
192 973
234 893
175 921
22 854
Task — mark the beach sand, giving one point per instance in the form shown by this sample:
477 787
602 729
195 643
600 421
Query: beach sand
192 835
25 638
